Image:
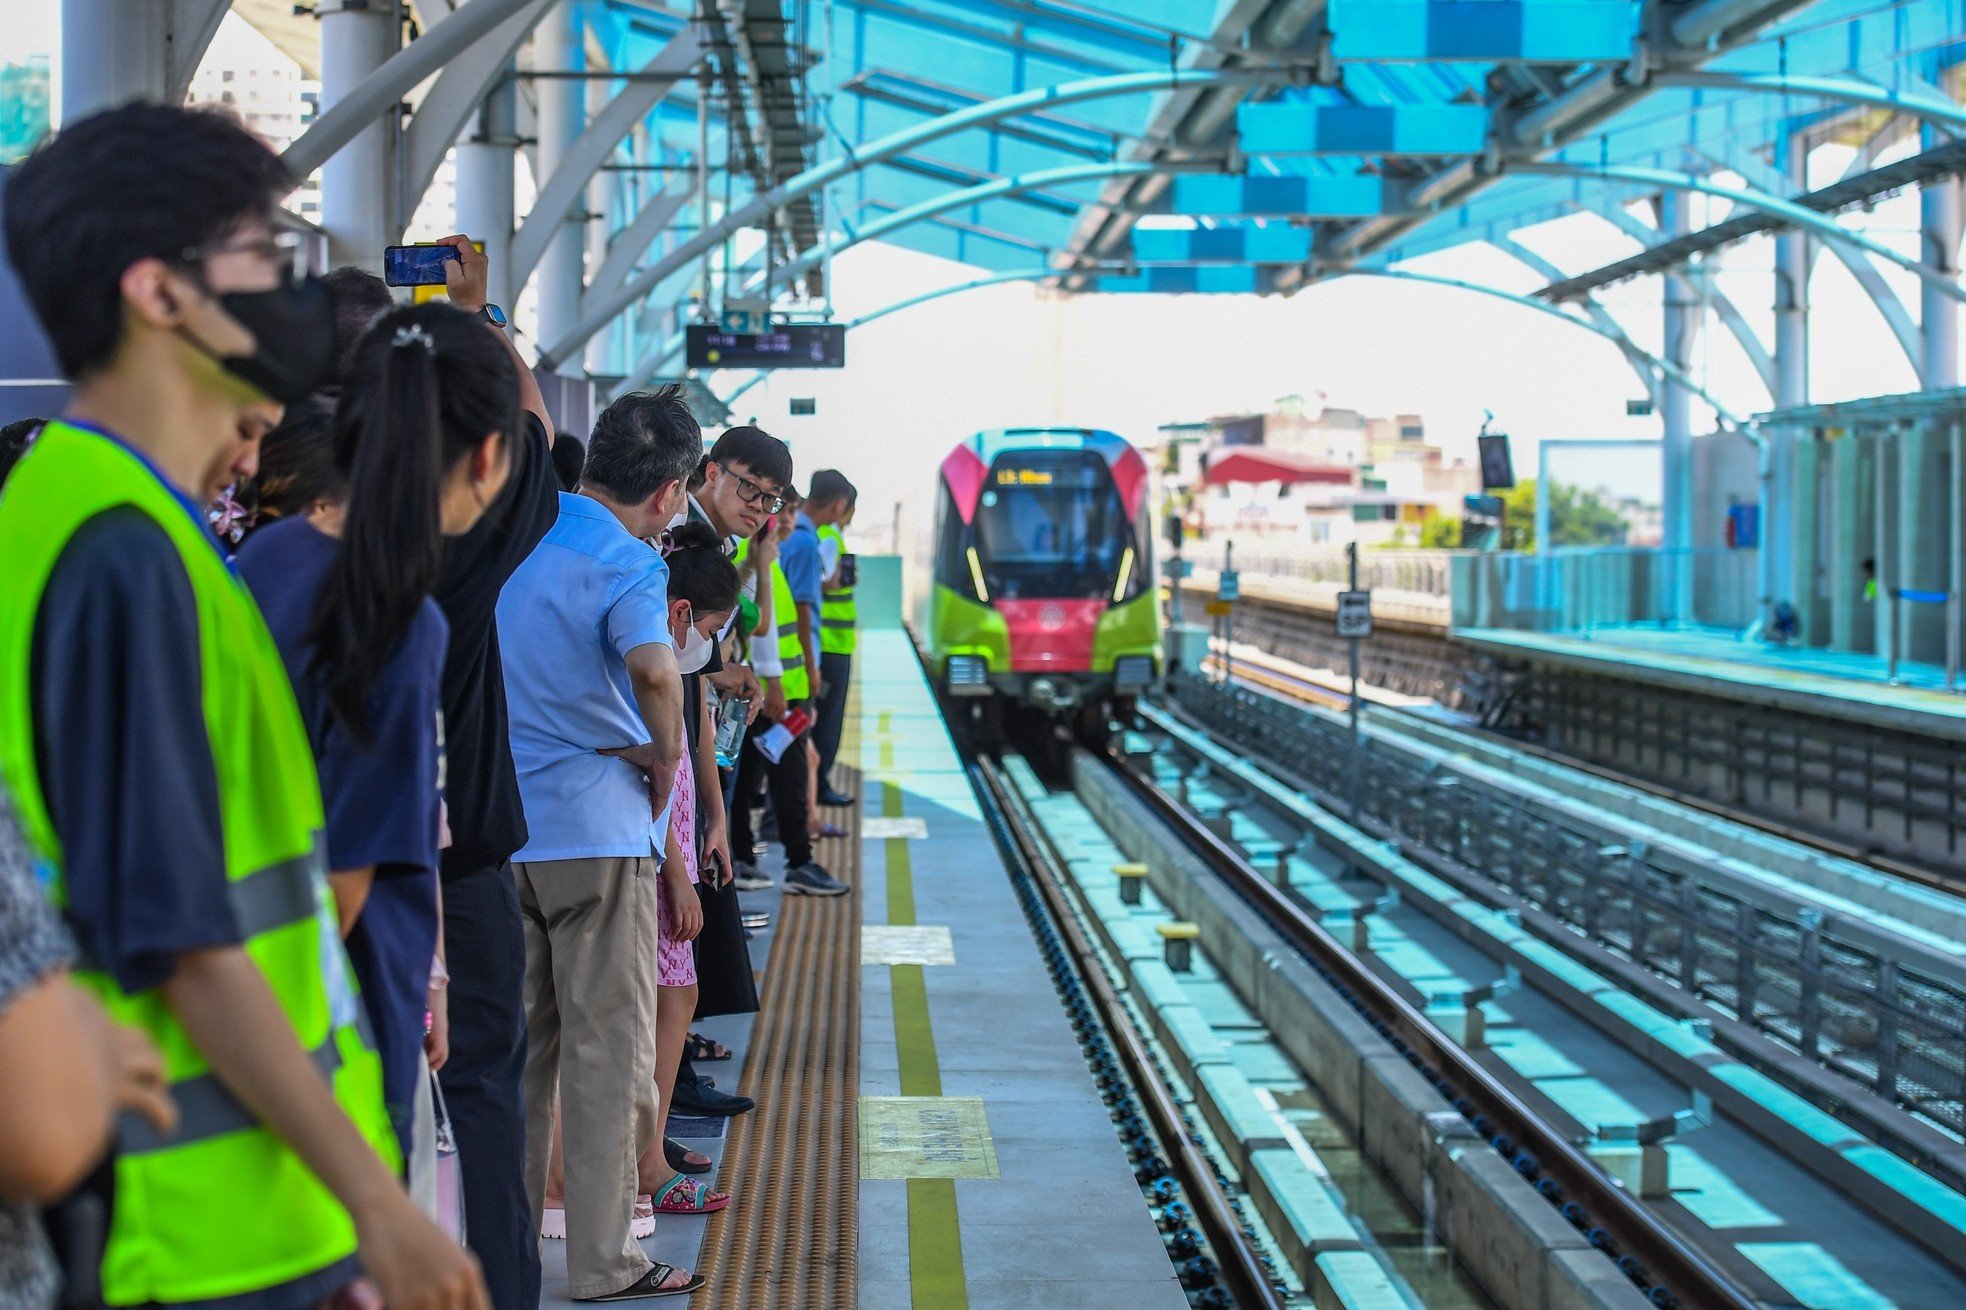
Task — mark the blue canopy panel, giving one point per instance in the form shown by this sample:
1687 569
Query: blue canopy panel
1209 279
1359 195
1269 243
1306 129
1488 31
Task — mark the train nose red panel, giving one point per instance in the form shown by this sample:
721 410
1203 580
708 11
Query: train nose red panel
1051 636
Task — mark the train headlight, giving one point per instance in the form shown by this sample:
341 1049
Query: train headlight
969 675
1133 673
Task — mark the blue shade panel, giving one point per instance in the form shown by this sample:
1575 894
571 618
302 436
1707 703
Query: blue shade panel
1227 279
1488 31
1275 244
1302 129
1361 196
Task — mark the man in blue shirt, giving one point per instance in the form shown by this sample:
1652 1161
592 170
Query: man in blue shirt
597 732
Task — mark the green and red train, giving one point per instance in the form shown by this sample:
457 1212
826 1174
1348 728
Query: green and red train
1043 586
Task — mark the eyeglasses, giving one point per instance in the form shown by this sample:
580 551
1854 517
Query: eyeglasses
282 248
753 494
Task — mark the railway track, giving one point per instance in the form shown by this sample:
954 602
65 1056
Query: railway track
1668 1270
1107 1030
1273 677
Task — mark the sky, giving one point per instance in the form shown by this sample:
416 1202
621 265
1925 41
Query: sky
920 381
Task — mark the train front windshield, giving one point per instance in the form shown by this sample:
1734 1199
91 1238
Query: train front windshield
1050 524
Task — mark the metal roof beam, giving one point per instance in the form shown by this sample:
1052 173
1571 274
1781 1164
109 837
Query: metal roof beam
887 147
1941 161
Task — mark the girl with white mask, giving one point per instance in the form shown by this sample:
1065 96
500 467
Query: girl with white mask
703 588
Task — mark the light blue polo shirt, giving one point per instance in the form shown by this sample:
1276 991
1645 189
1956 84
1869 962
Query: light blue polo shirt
589 593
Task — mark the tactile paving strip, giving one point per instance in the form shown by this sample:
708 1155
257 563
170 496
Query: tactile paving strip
790 1240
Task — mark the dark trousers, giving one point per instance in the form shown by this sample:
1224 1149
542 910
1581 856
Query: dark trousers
786 782
831 721
485 951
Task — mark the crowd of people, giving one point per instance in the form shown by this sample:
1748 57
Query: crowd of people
377 767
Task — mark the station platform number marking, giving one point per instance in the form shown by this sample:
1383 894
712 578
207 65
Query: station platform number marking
925 1137
910 827
906 943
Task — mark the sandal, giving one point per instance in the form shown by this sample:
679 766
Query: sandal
685 1161
652 1284
553 1223
699 1047
826 830
688 1196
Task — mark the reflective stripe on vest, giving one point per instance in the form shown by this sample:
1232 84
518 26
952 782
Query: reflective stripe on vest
223 1208
838 617
797 683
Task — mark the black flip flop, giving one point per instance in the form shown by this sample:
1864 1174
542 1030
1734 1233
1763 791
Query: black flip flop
649 1286
678 1157
699 1047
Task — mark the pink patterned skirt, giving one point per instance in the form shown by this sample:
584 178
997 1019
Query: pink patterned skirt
676 960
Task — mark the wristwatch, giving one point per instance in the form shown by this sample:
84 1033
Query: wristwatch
493 315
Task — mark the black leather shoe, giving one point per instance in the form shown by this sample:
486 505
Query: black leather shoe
700 1098
831 798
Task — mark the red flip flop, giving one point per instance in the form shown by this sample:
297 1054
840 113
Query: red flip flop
688 1196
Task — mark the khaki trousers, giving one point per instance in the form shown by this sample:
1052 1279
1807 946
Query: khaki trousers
590 927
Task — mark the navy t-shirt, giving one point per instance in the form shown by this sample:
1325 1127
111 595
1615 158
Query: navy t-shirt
381 798
126 768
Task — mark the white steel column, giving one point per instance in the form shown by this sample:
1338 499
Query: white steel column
1794 258
1939 228
112 51
602 190
557 48
1681 328
359 205
487 158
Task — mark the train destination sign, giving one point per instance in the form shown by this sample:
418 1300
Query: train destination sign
790 345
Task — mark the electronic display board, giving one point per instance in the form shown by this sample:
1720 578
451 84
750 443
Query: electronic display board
789 345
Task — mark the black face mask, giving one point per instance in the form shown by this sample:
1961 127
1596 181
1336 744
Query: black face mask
293 335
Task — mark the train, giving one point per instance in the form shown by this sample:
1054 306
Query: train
1043 593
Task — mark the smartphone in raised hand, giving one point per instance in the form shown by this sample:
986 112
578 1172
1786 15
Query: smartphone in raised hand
416 266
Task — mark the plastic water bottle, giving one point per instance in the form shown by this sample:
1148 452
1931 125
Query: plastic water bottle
730 730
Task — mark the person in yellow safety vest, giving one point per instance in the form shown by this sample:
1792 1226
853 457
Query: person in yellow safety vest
150 737
830 507
784 780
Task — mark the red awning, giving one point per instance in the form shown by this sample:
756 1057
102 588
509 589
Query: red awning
1253 464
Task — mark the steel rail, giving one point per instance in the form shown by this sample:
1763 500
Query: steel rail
1670 1270
1241 1264
1307 692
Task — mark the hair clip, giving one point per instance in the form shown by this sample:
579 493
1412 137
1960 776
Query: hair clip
413 335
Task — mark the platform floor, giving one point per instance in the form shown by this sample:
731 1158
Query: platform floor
1837 683
990 1175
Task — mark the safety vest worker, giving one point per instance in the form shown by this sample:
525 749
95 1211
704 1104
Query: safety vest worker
223 1206
796 681
839 619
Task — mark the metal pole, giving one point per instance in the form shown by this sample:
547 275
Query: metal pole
1228 619
1676 413
1887 568
561 273
1358 756
1956 521
358 181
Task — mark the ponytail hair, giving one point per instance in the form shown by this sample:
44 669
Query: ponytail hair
429 385
698 570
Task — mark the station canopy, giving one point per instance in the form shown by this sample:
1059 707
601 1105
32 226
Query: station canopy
1233 146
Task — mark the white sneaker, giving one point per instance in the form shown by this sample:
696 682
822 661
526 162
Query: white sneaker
750 878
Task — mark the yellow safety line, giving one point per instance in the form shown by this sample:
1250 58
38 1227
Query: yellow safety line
935 1243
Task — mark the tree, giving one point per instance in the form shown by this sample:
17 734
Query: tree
1578 517
1441 532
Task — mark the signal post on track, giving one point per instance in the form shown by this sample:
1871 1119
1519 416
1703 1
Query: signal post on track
1354 625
